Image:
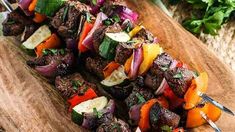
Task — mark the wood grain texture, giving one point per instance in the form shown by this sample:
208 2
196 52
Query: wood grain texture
29 103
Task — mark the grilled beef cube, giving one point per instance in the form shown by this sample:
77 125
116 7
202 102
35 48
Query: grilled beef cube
154 77
153 81
66 21
160 117
145 35
179 80
98 37
56 63
99 34
28 31
15 23
96 66
115 126
18 16
161 64
122 54
120 92
136 95
71 85
12 29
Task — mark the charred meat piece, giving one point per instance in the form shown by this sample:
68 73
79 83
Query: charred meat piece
98 37
161 64
66 21
179 79
122 54
153 81
138 94
52 64
15 23
160 117
28 31
115 126
145 35
120 92
154 77
11 28
99 34
71 85
96 66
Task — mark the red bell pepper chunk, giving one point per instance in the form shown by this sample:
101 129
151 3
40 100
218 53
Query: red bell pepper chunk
174 101
77 99
86 29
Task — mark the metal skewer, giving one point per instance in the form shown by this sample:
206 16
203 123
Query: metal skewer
7 5
215 103
211 123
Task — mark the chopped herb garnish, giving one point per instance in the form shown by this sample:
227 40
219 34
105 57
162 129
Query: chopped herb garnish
107 22
178 75
164 68
166 128
140 98
117 127
195 74
11 22
97 113
77 83
53 51
116 18
65 13
94 2
88 17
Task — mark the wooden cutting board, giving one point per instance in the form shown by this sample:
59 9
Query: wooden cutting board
29 103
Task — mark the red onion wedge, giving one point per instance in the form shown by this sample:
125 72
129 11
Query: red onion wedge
134 113
48 70
96 8
162 87
24 4
136 62
87 42
126 13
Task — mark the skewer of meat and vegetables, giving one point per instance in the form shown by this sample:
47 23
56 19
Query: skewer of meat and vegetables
143 87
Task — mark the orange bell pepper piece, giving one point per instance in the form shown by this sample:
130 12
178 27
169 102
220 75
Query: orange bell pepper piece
199 85
180 129
150 52
86 29
127 64
144 124
194 118
174 101
32 5
52 42
38 18
110 68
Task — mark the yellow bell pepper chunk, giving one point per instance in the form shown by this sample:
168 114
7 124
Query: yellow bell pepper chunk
134 31
150 52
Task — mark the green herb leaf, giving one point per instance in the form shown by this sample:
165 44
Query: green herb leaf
166 128
178 75
140 98
88 17
65 13
107 48
116 127
48 7
94 2
97 113
116 18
